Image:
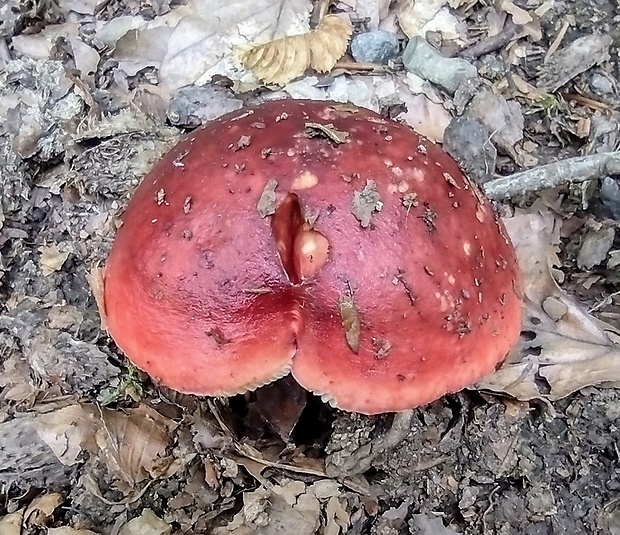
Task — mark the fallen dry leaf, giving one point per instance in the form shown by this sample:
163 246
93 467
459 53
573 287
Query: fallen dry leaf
11 524
148 523
133 441
95 278
196 40
336 517
68 432
283 60
528 20
519 16
40 510
204 41
427 524
425 116
52 259
562 344
374 11
595 247
15 381
70 531
291 507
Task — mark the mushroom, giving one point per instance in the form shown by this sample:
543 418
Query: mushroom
316 239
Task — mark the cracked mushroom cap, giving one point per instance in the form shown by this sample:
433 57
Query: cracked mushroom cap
317 239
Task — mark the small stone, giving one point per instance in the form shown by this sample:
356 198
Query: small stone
602 85
377 46
192 106
468 141
424 60
610 195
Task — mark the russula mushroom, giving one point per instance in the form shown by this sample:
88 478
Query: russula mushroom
316 239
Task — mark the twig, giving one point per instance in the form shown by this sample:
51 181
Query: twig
247 451
589 102
557 41
488 509
608 300
490 44
361 67
553 175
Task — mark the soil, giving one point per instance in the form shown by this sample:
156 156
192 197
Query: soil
475 463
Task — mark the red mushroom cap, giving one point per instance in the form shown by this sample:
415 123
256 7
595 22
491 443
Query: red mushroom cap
319 239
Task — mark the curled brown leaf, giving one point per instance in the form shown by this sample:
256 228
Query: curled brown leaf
283 60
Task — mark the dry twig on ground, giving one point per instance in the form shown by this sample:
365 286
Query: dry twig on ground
553 175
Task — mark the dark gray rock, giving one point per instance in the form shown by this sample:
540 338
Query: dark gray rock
603 85
374 47
610 195
468 141
193 106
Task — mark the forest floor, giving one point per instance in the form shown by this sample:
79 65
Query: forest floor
88 444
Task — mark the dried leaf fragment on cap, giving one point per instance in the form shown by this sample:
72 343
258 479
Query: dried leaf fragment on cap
283 60
366 202
267 202
328 131
350 321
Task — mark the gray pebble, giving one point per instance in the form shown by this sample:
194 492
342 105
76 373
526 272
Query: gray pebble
424 60
610 195
602 85
192 106
468 141
377 46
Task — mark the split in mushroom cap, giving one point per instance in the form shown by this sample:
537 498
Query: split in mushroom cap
318 239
